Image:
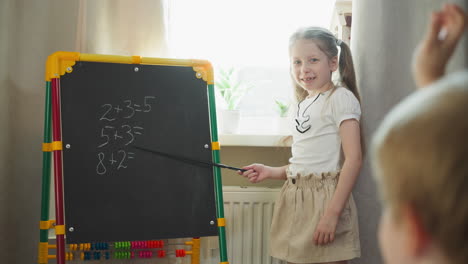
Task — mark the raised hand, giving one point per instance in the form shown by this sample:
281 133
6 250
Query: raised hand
439 43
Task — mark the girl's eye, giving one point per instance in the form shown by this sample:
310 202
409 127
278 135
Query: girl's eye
296 62
313 60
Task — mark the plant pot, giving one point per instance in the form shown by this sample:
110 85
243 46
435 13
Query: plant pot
229 121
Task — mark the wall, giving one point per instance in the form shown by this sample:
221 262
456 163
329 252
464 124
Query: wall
6 8
383 37
242 156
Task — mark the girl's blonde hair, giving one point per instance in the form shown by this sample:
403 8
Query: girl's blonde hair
420 158
328 44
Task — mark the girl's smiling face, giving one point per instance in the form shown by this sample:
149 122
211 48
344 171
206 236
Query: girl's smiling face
310 66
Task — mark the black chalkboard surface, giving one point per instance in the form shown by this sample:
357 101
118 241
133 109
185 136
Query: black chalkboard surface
115 192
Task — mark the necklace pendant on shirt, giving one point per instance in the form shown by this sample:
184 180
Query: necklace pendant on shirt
303 123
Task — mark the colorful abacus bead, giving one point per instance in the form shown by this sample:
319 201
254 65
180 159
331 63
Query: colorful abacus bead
180 253
161 253
145 254
87 255
68 256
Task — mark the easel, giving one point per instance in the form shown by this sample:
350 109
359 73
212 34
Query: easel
61 63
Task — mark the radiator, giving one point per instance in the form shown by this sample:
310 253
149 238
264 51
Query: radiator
248 212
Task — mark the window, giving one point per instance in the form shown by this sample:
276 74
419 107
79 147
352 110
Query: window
251 37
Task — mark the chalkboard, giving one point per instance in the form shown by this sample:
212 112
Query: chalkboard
115 192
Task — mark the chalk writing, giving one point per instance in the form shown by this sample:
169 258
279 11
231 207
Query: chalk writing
117 130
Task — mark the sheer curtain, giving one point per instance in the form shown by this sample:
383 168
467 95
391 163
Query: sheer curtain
121 27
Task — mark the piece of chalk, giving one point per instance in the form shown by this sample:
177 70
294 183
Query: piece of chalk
442 34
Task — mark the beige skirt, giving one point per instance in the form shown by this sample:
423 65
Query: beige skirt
300 205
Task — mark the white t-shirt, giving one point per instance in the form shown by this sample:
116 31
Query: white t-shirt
316 146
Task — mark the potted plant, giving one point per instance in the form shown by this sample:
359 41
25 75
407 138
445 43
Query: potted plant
283 123
231 90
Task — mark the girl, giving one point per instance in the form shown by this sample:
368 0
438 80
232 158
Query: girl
315 218
420 156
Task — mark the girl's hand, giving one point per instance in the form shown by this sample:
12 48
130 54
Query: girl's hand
256 172
431 57
325 230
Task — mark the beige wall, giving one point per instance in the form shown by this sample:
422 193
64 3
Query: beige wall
242 156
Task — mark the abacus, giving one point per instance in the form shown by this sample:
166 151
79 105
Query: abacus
129 250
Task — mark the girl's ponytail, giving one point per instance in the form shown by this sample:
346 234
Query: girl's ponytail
346 69
348 77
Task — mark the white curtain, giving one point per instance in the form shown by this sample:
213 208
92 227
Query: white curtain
31 30
122 27
241 32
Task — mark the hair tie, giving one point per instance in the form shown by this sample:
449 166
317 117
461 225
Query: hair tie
338 42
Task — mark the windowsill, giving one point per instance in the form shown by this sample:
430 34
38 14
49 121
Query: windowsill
253 140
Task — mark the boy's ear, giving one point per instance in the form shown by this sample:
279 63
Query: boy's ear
418 237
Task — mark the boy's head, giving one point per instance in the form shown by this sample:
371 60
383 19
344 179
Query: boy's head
420 160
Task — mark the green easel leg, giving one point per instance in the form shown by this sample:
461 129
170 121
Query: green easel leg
217 177
44 231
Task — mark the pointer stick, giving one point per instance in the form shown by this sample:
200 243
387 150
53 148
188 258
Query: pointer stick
188 160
